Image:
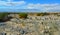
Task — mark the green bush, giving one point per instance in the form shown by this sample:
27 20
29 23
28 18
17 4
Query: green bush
23 15
2 15
42 14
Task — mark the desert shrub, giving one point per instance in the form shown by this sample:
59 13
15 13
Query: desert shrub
23 15
2 15
42 14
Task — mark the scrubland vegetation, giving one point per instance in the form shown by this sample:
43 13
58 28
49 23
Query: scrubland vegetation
22 15
37 24
2 15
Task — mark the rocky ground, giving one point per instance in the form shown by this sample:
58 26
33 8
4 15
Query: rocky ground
33 25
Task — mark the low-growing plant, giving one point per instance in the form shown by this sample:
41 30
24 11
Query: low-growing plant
42 14
23 15
2 16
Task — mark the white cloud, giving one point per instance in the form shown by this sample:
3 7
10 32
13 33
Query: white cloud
24 5
44 7
33 6
10 3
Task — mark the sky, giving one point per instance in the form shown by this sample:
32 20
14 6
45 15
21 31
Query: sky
29 5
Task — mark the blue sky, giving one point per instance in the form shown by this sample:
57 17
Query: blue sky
40 1
30 5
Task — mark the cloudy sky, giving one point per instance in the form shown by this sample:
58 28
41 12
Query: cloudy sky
29 5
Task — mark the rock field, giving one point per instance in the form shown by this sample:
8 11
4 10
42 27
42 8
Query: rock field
33 25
